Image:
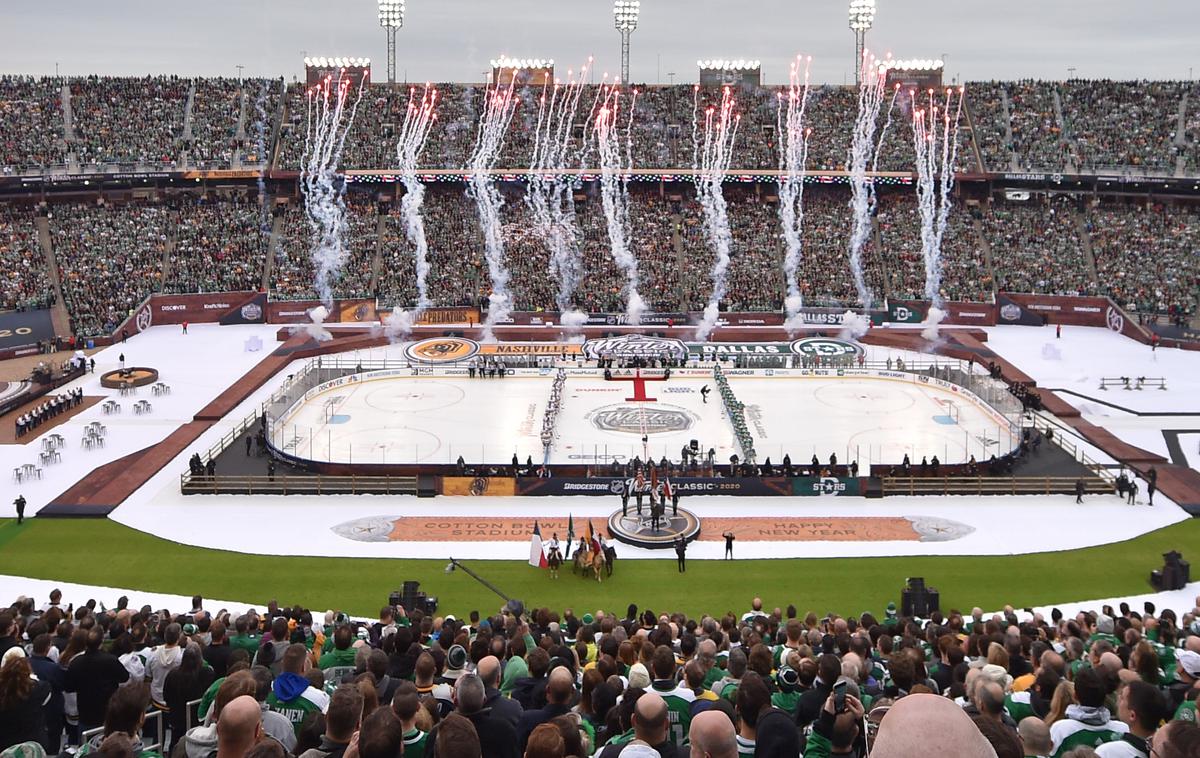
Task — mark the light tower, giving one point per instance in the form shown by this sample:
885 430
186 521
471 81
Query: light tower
862 15
625 17
391 18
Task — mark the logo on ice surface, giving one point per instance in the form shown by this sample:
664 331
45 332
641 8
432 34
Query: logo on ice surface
659 419
442 350
826 347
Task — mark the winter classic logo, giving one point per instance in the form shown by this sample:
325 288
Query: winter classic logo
1114 319
144 318
252 311
661 419
441 350
634 346
1010 312
826 347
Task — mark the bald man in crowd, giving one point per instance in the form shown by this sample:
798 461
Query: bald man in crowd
711 736
239 727
918 726
502 707
560 688
1035 736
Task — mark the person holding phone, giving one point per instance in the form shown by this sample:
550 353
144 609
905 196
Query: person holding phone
839 729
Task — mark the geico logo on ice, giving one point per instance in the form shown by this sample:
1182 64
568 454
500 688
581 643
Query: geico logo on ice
829 486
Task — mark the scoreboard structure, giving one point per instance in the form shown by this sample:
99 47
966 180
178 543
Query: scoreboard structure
536 72
357 70
719 73
917 75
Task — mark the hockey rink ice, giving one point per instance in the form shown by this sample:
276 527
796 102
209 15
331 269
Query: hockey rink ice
436 419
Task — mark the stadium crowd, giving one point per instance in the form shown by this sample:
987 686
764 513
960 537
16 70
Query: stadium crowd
1093 123
1037 247
1123 123
24 283
146 683
104 109
31 122
219 246
1148 257
109 259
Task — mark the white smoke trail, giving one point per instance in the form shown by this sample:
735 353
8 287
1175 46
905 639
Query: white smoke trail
260 152
937 153
324 205
793 168
713 155
854 325
550 192
614 190
863 149
419 119
499 104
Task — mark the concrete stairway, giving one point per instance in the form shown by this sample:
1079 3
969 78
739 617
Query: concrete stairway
986 247
58 314
1090 255
272 251
1008 133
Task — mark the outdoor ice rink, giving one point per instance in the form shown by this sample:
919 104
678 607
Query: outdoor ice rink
436 419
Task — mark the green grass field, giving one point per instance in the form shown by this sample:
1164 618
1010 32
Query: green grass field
103 552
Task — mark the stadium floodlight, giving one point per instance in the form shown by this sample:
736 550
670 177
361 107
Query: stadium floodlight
625 19
862 16
391 18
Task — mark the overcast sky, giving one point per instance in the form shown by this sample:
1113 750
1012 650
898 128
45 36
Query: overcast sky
452 40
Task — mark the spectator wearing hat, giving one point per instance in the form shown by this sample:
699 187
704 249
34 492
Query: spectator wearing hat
1184 694
787 694
456 664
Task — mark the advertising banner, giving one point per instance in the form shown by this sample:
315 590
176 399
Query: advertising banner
20 328
957 313
826 486
611 486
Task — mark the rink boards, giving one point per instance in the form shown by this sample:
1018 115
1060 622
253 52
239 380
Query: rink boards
433 415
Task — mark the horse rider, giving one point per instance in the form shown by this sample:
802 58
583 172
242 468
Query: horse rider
553 550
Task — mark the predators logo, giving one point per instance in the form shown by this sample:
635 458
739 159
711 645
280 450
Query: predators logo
442 350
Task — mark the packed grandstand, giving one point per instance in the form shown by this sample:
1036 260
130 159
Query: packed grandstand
104 252
130 681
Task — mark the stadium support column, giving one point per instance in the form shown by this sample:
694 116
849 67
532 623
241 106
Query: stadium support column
625 35
391 54
625 19
391 18
862 16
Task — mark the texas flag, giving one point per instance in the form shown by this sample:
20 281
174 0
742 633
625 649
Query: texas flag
537 558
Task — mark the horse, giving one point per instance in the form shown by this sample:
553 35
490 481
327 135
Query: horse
588 558
610 557
553 561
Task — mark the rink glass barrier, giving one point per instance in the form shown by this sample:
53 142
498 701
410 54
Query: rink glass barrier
316 376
